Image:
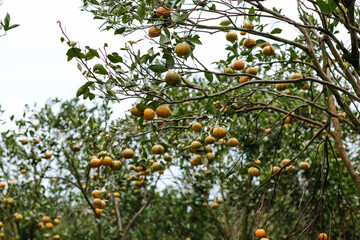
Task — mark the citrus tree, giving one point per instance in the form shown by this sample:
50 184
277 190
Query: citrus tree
271 127
5 24
51 183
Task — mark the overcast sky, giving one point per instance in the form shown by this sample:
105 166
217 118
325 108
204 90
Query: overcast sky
33 65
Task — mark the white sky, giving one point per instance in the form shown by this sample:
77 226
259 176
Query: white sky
33 65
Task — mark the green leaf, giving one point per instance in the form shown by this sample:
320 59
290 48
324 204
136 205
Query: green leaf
209 76
225 22
234 117
114 57
275 46
170 62
99 69
162 164
210 107
73 52
195 39
93 52
332 5
251 12
14 26
213 7
141 107
6 22
164 40
276 31
141 11
81 90
260 42
120 30
113 94
326 7
158 68
79 67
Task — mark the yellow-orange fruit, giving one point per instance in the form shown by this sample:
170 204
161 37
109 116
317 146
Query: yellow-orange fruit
96 193
163 11
219 132
322 236
209 140
149 114
172 78
214 205
231 36
252 70
305 87
99 211
268 130
290 169
281 86
163 111
106 161
304 165
284 162
49 225
182 49
260 233
268 51
97 202
95 162
275 169
210 157
196 127
136 112
76 148
128 153
154 32
228 71
248 25
46 219
158 149
249 42
233 142
265 45
116 165
195 145
296 76
48 155
18 217
238 65
156 166
253 171
243 79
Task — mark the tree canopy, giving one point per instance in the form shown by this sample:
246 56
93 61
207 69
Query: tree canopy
259 144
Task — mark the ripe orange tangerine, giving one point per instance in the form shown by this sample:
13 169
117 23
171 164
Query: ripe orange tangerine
154 32
163 11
